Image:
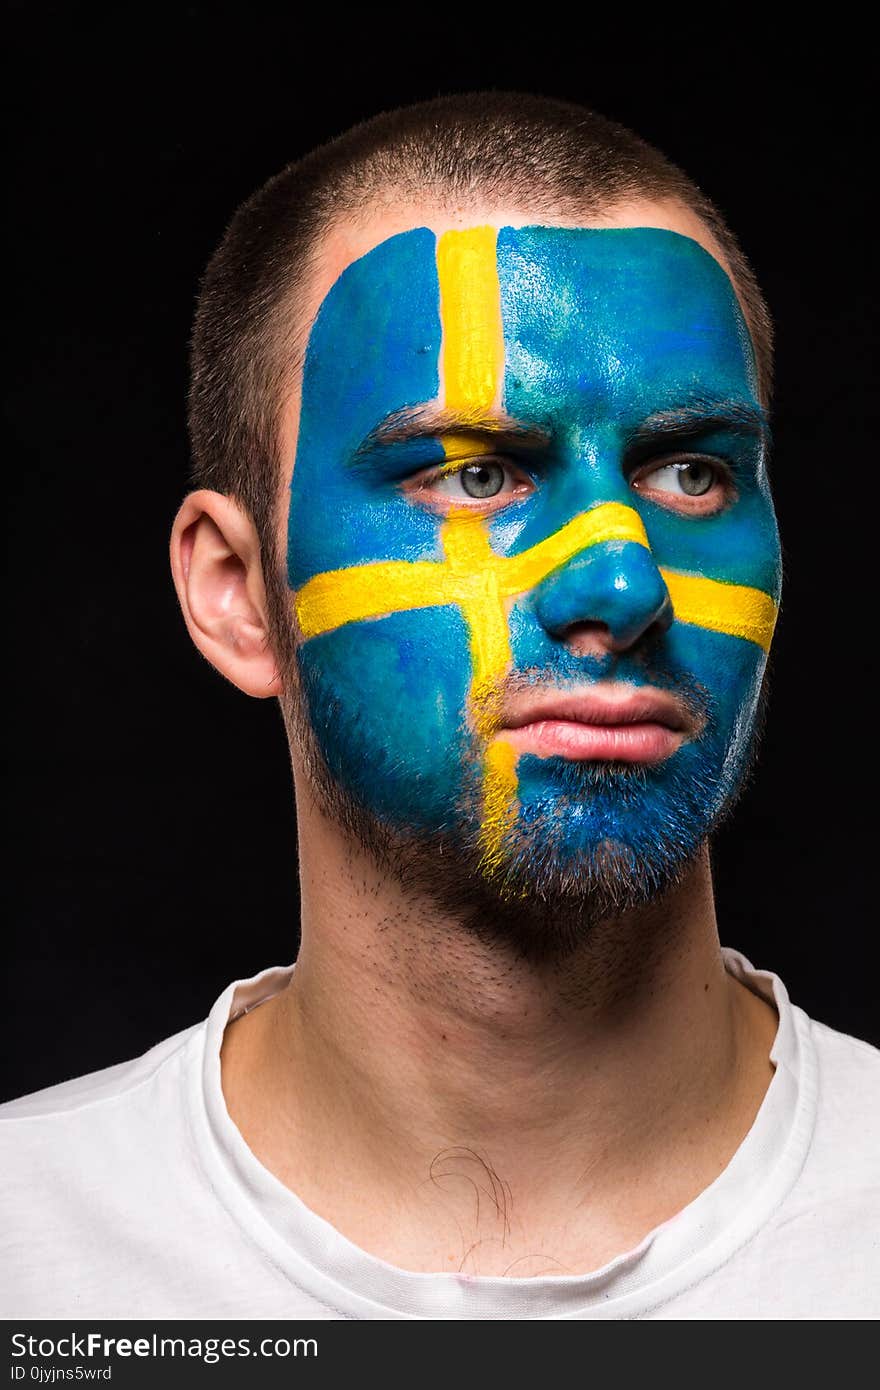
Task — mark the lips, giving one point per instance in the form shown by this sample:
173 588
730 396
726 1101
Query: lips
607 721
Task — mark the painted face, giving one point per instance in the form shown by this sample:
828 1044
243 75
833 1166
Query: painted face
506 435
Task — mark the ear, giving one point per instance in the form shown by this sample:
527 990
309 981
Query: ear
218 575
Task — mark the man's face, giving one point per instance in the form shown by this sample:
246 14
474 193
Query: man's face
533 554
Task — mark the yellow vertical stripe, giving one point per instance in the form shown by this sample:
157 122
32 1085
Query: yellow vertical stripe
471 561
499 802
472 371
472 354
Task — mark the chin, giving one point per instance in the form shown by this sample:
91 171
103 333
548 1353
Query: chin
579 816
590 842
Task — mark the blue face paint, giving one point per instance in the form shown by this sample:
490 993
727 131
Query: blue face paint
603 329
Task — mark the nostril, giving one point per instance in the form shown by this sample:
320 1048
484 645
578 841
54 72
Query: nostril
589 639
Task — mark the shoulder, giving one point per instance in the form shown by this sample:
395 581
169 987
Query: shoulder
92 1129
848 1098
836 1075
107 1086
86 1187
818 1255
844 1055
832 1208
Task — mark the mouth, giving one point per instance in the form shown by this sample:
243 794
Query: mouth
609 721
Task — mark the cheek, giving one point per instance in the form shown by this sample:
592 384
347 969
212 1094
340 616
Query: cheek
387 701
739 546
729 669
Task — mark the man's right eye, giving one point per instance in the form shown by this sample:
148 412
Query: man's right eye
484 484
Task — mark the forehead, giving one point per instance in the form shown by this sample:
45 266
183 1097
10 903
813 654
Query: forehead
612 320
590 322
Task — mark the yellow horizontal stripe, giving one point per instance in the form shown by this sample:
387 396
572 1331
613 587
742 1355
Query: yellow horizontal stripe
733 609
473 575
369 591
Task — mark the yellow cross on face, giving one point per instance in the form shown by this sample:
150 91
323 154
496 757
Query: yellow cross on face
472 575
478 581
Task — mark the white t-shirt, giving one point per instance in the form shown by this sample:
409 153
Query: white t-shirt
130 1193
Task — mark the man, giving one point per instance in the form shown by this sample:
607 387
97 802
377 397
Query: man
479 413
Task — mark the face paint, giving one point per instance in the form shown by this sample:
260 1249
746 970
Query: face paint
412 620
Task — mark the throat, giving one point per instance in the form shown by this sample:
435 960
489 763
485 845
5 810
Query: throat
515 1120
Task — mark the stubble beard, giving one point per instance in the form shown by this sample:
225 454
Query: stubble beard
544 903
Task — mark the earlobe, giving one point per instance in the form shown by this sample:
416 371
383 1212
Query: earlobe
215 562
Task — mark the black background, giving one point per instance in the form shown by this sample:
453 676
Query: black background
151 837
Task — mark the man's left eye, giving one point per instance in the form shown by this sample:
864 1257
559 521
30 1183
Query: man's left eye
689 476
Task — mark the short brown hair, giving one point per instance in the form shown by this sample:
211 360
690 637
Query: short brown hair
536 150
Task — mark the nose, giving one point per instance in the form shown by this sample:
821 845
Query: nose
604 599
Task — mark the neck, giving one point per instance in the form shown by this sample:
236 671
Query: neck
434 1067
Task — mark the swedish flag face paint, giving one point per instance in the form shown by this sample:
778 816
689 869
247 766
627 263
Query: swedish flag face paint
505 440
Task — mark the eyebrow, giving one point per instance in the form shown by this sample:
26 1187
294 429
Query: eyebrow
429 421
704 417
